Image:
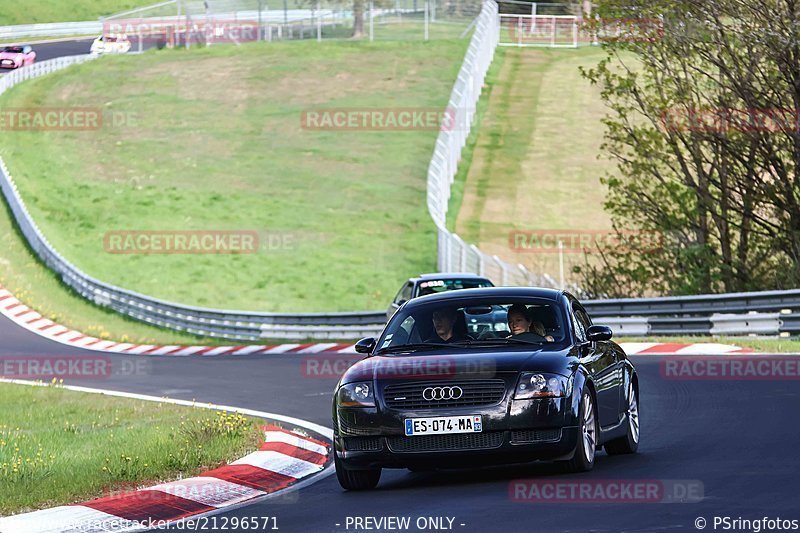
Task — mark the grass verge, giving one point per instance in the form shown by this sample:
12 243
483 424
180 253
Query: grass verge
40 289
219 144
467 153
39 11
59 447
535 164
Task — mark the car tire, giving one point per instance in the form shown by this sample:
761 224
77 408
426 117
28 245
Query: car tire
630 442
586 448
355 479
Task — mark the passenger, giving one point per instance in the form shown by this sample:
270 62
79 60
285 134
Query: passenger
444 324
538 328
519 319
520 323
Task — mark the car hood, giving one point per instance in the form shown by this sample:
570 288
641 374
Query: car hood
448 365
10 55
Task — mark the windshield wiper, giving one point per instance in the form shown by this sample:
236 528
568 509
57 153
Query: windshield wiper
414 347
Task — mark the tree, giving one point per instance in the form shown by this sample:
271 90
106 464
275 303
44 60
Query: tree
704 98
358 18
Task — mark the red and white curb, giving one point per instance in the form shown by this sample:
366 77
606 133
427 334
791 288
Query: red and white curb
674 348
29 319
24 316
284 460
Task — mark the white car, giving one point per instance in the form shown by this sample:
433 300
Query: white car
109 44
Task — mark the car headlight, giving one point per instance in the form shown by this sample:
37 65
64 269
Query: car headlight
356 395
538 385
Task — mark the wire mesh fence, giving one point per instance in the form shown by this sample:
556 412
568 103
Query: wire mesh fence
181 23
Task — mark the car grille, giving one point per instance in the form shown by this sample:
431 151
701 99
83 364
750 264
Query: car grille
535 435
363 444
475 392
435 443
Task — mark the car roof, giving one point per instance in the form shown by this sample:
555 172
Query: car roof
450 275
486 292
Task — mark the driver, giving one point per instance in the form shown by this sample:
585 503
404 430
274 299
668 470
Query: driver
444 321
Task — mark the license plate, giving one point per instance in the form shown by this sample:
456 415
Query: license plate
441 425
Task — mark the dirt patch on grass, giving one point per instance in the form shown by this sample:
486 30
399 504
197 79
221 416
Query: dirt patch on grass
535 163
495 176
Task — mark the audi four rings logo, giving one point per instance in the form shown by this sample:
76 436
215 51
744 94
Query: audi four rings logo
442 393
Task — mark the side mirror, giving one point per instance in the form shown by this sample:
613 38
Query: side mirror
599 333
365 345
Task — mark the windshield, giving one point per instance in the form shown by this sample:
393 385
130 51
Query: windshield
511 322
433 286
13 50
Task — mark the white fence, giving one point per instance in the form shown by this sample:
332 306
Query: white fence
453 253
39 69
551 31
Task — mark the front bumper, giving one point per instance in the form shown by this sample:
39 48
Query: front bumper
386 453
8 63
514 431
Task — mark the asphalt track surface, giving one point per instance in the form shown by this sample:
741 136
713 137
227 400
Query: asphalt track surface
52 50
740 439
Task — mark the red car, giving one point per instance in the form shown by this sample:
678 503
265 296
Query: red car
17 56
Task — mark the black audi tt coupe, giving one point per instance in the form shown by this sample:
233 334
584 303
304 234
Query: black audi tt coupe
440 389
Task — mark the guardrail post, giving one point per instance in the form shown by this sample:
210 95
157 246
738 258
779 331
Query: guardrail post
503 269
481 270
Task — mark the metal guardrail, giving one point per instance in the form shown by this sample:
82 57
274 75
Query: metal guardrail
741 302
51 29
750 313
